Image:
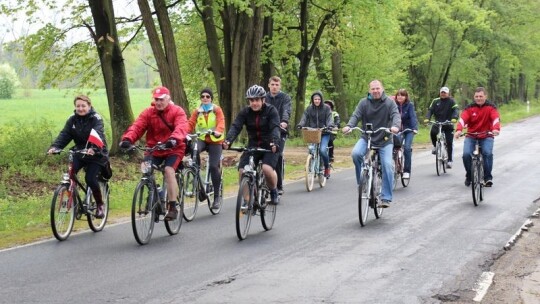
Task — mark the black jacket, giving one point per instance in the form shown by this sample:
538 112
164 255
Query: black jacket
282 102
443 110
317 116
262 126
78 128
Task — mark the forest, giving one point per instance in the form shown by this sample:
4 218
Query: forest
336 47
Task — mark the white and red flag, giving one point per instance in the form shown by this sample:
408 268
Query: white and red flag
95 139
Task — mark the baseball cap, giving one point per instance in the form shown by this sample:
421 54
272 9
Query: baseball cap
445 89
160 92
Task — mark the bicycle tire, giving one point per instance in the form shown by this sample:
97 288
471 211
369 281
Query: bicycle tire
363 198
190 194
444 155
439 165
62 214
404 181
376 191
397 169
244 207
97 224
268 213
322 178
173 227
310 173
143 212
220 191
476 185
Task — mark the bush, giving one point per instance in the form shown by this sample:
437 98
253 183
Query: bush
9 81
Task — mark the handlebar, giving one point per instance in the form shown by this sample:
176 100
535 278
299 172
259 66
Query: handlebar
476 134
387 130
197 134
73 151
159 146
249 150
405 131
442 123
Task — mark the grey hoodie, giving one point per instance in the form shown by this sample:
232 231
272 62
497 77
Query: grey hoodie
317 116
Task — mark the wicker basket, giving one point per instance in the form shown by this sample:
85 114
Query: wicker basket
312 136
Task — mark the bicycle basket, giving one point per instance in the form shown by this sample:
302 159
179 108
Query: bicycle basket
311 136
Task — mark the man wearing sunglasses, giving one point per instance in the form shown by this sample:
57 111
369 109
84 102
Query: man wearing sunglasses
163 122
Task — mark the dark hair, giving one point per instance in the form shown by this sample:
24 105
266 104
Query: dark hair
402 92
83 98
481 89
209 91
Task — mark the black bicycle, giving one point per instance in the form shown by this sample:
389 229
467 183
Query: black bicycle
68 205
399 161
477 168
150 200
441 151
197 188
253 195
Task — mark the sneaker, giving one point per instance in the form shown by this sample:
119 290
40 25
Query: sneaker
331 159
488 183
449 165
384 203
274 197
467 182
99 211
172 213
217 203
406 175
202 195
327 172
280 191
433 150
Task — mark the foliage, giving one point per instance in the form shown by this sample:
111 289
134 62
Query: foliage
9 81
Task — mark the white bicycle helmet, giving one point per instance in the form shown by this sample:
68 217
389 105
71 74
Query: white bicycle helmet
255 91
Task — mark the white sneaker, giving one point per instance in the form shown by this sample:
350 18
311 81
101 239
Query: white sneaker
406 175
449 165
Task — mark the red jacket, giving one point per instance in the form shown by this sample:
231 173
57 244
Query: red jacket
157 131
479 119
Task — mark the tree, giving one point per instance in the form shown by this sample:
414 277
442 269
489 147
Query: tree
8 81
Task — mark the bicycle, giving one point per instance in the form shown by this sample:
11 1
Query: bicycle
477 169
314 163
196 188
67 205
149 200
441 151
369 190
399 161
253 195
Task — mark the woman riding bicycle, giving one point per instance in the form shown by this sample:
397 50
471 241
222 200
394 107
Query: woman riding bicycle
209 116
85 128
408 121
319 115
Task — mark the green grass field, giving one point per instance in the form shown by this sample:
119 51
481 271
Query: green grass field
32 119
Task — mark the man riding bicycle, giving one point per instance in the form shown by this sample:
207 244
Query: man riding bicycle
282 102
163 122
262 125
479 117
382 112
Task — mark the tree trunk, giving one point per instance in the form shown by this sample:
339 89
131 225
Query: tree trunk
113 69
337 78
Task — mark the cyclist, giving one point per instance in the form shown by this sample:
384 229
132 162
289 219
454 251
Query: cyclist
282 102
479 116
262 125
319 115
443 108
209 116
408 121
382 112
85 128
336 121
163 122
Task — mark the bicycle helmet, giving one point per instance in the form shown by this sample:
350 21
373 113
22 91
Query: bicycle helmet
255 92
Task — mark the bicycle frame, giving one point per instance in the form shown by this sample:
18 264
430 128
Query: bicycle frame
477 168
441 154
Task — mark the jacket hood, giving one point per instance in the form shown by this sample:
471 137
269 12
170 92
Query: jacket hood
320 95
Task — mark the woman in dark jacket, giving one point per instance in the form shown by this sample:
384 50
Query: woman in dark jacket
319 115
85 128
408 121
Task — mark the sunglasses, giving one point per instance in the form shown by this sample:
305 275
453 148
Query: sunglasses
159 99
206 96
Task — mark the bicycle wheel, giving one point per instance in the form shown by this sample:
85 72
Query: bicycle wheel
143 212
401 161
444 155
322 178
173 227
376 190
62 212
268 214
397 168
244 207
439 164
476 185
97 224
363 198
310 172
190 194
211 195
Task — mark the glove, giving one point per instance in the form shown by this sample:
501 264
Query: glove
426 120
171 143
453 120
125 144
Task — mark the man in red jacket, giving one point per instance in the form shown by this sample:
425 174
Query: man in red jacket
163 122
482 121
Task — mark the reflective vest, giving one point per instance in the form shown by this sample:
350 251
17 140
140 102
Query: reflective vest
210 123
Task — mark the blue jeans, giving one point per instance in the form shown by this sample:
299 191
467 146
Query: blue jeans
385 156
323 150
407 151
487 155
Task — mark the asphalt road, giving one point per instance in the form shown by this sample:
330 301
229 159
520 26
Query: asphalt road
431 243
